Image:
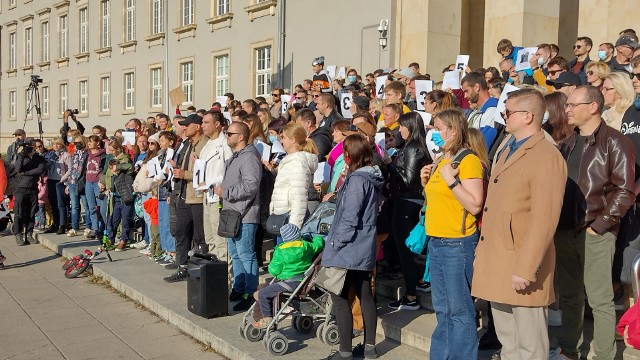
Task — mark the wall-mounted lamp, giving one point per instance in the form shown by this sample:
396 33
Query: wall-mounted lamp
383 30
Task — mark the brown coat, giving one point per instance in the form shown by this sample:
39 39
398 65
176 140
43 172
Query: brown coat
521 213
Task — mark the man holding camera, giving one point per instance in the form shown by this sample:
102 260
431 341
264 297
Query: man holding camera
12 152
29 167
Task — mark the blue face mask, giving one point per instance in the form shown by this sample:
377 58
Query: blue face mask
352 79
273 138
602 54
437 139
70 139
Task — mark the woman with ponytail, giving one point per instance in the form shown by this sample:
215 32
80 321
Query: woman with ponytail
295 175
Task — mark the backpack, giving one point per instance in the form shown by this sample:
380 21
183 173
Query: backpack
12 178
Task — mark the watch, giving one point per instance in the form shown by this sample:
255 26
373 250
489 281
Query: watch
454 184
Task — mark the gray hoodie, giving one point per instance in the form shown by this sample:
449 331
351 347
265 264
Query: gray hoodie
241 183
351 243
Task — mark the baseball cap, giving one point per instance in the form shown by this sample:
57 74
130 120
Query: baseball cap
566 78
289 232
20 132
318 61
362 102
405 73
191 119
361 129
627 40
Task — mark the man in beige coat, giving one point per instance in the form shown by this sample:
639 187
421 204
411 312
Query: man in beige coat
515 257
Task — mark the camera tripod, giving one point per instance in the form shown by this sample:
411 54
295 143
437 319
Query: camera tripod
33 101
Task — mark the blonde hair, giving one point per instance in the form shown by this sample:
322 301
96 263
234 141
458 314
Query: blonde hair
622 86
478 145
57 140
299 134
454 119
82 139
600 68
73 133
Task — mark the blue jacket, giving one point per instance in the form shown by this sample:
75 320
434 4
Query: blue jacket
351 243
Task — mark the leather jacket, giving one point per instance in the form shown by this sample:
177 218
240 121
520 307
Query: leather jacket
605 188
405 169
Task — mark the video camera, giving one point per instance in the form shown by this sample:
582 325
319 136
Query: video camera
35 80
27 145
73 111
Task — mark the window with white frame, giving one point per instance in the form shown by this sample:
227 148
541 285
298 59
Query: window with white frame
187 12
105 89
12 50
45 100
263 71
129 91
156 87
83 90
12 104
222 7
130 21
105 29
45 41
64 93
84 31
157 16
186 78
222 74
12 3
63 27
28 46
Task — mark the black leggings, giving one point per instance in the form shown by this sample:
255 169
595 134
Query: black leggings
361 283
404 219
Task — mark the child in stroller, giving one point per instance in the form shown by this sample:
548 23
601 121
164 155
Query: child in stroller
290 260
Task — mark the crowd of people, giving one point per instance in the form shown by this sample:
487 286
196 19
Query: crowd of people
528 204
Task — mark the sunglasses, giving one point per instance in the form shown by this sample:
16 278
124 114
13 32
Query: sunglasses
275 94
507 113
577 46
554 72
315 96
636 76
559 86
77 143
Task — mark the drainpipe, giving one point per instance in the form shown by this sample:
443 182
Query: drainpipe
166 58
281 42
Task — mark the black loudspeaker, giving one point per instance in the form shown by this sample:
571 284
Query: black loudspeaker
207 293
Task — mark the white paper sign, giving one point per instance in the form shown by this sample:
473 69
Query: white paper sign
462 61
199 167
501 102
380 86
264 150
276 148
379 139
342 73
523 57
423 87
322 174
285 105
451 80
331 70
129 138
222 100
345 103
227 116
426 118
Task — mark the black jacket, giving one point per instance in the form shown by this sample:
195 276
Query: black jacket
582 74
328 121
405 169
28 171
324 142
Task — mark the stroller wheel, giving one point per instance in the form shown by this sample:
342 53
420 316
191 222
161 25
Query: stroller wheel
319 331
330 335
277 344
252 333
302 324
243 325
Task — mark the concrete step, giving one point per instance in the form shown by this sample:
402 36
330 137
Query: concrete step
411 328
631 354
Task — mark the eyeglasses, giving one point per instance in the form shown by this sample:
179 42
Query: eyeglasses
604 88
507 113
573 105
577 46
554 72
632 75
231 133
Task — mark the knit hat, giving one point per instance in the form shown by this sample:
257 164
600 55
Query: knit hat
289 232
155 138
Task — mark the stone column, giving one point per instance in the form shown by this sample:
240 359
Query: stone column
603 20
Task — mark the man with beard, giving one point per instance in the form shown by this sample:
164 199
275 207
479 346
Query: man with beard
476 91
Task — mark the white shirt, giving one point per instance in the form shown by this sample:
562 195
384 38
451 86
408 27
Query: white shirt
215 152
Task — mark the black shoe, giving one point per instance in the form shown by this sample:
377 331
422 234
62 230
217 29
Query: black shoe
235 296
359 351
51 230
405 304
180 275
335 355
31 239
489 341
61 231
20 241
172 266
244 304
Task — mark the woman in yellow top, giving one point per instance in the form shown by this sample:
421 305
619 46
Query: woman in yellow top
454 197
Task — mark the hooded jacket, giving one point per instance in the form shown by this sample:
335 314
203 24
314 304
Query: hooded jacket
241 183
291 189
351 243
292 258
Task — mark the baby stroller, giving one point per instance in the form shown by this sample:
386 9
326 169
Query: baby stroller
305 304
5 215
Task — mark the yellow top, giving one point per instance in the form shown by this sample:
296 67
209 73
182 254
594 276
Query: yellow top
443 217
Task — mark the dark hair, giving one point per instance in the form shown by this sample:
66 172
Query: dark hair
495 73
169 135
475 78
277 125
256 131
558 119
587 40
608 45
217 117
94 138
504 45
443 99
367 117
239 113
306 115
560 61
497 83
229 96
358 150
243 129
341 125
413 122
251 103
554 48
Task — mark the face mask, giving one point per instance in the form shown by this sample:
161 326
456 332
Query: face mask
79 147
437 139
602 54
545 118
273 138
70 139
541 61
352 79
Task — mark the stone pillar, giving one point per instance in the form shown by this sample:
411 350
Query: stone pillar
603 20
526 23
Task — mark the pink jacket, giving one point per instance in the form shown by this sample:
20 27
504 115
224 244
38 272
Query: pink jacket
43 194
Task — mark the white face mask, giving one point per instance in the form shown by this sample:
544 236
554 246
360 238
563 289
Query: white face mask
541 61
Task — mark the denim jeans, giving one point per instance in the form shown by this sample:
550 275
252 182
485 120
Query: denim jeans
91 194
63 203
451 269
122 212
244 261
167 241
75 207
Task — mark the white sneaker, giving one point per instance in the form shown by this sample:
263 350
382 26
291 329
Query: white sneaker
71 233
87 232
139 245
146 252
146 249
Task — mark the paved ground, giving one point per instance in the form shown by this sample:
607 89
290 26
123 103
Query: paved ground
46 316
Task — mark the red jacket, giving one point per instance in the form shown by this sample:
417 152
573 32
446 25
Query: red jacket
631 318
3 179
151 207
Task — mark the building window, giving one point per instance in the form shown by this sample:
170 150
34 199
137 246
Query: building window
28 46
64 36
156 87
105 99
263 71
157 16
45 100
84 31
105 31
222 75
129 91
130 23
187 12
12 104
83 91
222 7
45 41
186 77
12 3
64 92
12 50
